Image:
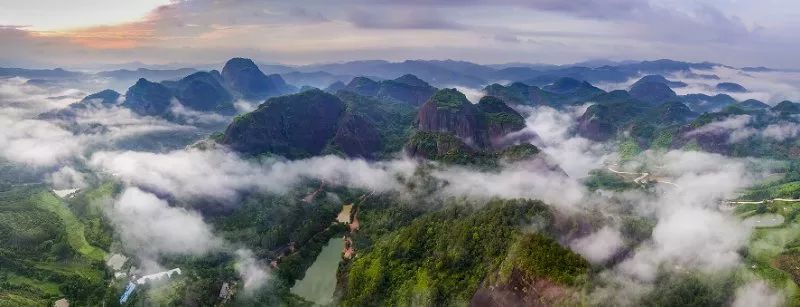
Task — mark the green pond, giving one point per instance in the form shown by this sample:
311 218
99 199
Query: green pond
320 280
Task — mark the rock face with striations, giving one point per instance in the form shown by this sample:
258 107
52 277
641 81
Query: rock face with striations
499 120
148 98
448 110
202 91
296 125
244 77
451 128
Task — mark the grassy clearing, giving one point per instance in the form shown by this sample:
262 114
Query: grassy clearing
74 228
766 245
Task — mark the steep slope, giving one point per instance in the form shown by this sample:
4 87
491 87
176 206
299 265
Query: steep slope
105 97
731 87
787 107
752 105
562 92
314 122
662 79
407 89
518 93
452 129
100 99
702 103
449 111
298 125
602 121
650 92
499 120
148 98
202 91
371 127
572 88
246 79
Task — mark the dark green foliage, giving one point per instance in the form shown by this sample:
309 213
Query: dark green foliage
606 180
37 263
539 256
520 152
690 290
702 103
669 113
391 119
449 99
496 112
104 97
787 107
246 79
293 126
563 92
407 89
731 87
148 98
26 230
752 105
202 91
601 122
441 258
447 148
652 93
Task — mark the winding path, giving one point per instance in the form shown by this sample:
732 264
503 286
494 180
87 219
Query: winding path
642 179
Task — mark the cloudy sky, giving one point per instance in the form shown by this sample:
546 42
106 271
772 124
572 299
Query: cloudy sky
82 32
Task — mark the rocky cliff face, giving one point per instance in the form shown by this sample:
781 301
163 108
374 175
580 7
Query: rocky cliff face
296 125
449 111
452 129
499 120
148 98
246 79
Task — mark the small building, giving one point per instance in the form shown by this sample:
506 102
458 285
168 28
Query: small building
61 303
344 215
116 261
224 291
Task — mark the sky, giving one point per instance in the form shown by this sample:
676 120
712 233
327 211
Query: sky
47 33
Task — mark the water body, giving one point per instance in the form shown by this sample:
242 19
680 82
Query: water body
764 220
319 282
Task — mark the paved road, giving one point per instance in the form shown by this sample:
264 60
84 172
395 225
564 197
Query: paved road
642 179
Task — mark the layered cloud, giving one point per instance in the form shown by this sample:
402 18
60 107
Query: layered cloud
553 31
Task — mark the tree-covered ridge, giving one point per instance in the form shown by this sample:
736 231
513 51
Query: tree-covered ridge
561 92
314 122
449 99
48 252
442 258
298 125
